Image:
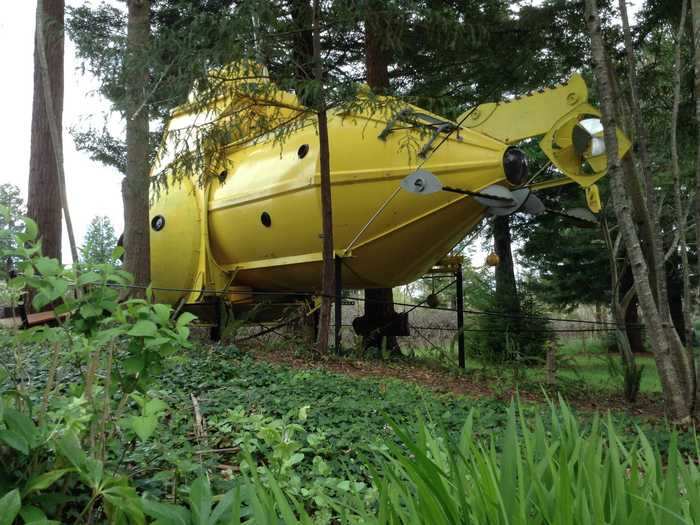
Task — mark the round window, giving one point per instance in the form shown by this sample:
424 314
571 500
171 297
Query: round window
158 223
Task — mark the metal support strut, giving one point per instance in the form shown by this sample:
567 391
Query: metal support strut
460 317
338 302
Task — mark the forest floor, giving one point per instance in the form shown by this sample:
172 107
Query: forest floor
585 379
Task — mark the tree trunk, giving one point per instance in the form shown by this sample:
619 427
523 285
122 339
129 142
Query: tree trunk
506 289
695 6
379 302
136 183
328 268
44 195
379 313
654 252
630 315
671 360
376 55
677 199
302 45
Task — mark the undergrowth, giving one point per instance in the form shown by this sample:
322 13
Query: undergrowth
113 416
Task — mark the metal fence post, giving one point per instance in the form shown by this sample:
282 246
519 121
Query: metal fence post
460 317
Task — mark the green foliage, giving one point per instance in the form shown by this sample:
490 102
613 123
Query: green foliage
12 205
83 438
566 475
53 448
100 242
500 337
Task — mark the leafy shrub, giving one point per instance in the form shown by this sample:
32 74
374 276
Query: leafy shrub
503 338
55 449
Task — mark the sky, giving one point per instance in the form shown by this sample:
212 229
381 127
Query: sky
93 189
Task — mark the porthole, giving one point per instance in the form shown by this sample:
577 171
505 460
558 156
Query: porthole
303 150
222 176
158 223
266 219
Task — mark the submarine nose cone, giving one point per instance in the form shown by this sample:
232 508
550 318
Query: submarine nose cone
515 166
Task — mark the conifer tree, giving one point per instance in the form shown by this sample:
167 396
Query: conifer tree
100 241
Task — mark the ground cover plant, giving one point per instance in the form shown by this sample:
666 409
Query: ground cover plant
115 416
583 366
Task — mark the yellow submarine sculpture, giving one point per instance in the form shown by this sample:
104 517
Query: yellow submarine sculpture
407 186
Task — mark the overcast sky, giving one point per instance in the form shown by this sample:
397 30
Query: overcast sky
93 189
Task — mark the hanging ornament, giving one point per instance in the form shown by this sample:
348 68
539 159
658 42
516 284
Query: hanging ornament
492 259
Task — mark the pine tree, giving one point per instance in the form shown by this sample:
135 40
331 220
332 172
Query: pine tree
10 224
100 241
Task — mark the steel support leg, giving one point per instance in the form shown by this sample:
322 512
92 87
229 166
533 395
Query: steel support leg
338 302
460 317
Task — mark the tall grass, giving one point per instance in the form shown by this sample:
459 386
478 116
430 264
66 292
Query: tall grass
534 476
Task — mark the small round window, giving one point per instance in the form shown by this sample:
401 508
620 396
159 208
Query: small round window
222 176
266 219
303 151
158 223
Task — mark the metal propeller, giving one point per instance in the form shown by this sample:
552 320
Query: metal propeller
498 200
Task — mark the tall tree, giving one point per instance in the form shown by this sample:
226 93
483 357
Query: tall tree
673 363
379 302
506 297
328 268
10 219
136 182
695 6
100 241
44 193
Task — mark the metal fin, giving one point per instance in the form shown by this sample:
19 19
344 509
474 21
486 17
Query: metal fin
422 182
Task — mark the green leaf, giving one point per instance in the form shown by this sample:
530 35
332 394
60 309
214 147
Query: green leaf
143 426
143 328
32 514
58 288
45 480
162 312
88 278
15 440
69 447
200 501
90 310
185 318
21 423
47 266
134 364
10 504
166 513
154 407
31 230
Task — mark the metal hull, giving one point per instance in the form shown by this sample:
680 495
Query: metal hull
215 237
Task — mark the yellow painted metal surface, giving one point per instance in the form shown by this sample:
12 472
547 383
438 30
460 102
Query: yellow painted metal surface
260 228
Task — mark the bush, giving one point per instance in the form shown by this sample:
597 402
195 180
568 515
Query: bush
501 337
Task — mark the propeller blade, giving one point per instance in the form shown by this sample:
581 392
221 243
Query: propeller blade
581 217
519 197
533 205
496 197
